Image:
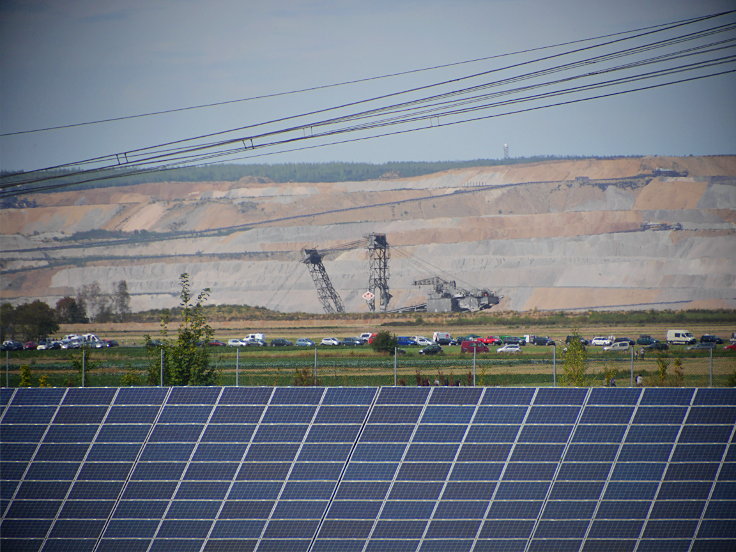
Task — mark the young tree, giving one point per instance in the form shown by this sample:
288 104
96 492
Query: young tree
97 304
187 358
121 301
384 342
26 380
575 363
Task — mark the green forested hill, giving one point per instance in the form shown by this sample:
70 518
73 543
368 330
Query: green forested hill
280 172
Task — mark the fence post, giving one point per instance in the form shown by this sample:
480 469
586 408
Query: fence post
396 356
315 365
474 351
631 372
84 361
7 368
162 366
710 369
237 366
554 365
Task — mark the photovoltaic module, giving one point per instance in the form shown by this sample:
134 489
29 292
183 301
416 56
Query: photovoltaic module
391 469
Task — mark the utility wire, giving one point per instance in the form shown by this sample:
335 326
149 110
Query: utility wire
114 160
199 153
201 158
360 80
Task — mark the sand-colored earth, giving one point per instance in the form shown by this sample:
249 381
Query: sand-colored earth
657 232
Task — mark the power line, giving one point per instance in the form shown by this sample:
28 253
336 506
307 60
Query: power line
408 112
360 80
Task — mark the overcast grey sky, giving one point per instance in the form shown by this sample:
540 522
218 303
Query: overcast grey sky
76 61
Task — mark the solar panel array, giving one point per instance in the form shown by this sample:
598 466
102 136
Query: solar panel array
394 469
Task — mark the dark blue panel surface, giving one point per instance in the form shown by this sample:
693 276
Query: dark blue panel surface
37 396
289 414
716 396
246 395
403 395
560 395
141 395
350 395
29 414
89 395
667 396
443 395
297 395
184 414
421 469
394 414
341 414
194 395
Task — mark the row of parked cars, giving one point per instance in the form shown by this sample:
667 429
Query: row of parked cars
70 341
301 342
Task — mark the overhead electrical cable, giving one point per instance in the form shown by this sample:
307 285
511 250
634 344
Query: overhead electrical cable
115 159
361 80
411 112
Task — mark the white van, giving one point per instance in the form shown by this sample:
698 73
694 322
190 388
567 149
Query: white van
441 338
680 337
255 337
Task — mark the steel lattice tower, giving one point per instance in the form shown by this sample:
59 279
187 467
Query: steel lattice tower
329 298
378 277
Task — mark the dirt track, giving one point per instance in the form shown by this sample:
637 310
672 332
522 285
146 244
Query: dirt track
554 235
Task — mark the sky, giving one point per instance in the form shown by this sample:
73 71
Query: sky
80 61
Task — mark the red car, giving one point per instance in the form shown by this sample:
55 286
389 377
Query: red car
470 346
731 347
490 340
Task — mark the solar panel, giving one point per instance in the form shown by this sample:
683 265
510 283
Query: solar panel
393 468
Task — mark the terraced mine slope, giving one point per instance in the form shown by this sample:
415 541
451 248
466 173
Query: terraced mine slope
652 232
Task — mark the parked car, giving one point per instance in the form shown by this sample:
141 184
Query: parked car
600 341
618 346
423 341
707 346
433 349
490 340
470 346
235 342
471 337
645 340
546 341
280 342
569 338
730 347
513 340
330 341
304 342
11 345
111 342
624 340
656 346
30 345
405 341
509 348
216 343
255 342
351 341
707 338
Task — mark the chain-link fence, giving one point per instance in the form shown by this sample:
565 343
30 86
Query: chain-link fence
545 367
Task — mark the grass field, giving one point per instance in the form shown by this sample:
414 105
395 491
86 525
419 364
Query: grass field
535 366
